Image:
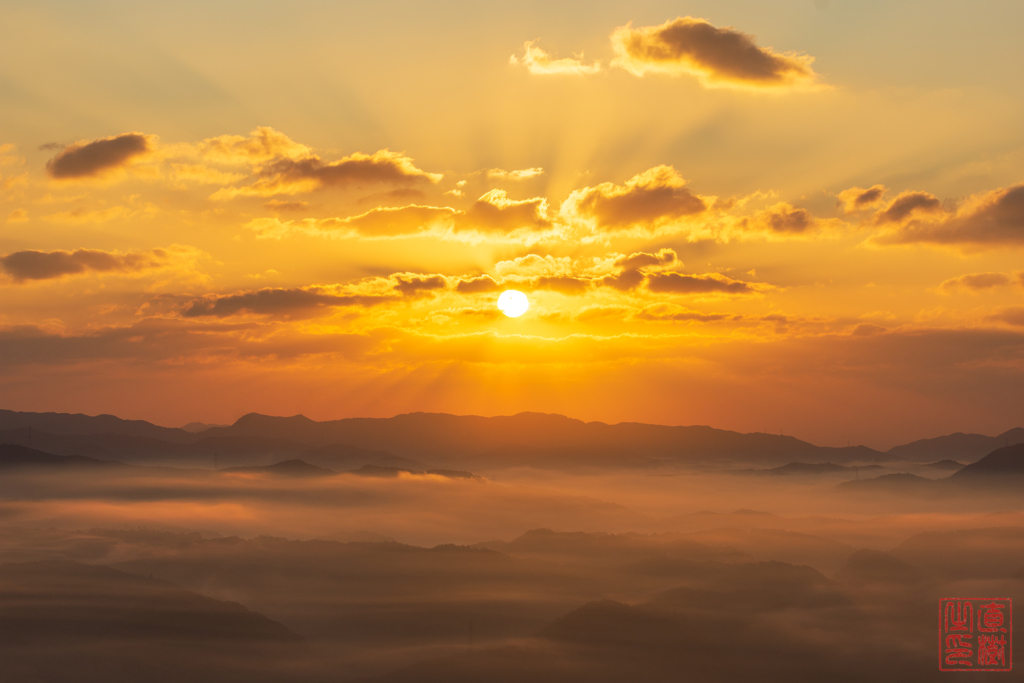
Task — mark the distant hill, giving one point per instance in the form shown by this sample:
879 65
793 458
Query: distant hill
947 465
463 442
66 621
20 457
1002 462
286 468
812 468
902 482
58 599
534 439
78 424
340 457
957 446
196 427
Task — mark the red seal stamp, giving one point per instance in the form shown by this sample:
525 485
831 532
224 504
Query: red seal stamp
975 634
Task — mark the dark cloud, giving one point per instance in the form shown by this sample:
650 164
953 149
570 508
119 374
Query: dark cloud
642 259
785 219
1014 315
629 275
82 160
671 313
411 285
993 218
857 198
277 302
358 169
46 265
908 203
495 212
717 56
651 198
290 175
677 283
624 281
477 285
978 281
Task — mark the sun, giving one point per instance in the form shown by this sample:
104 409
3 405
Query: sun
513 303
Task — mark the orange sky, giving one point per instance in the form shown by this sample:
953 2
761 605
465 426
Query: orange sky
808 220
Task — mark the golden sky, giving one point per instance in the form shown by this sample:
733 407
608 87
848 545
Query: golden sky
804 216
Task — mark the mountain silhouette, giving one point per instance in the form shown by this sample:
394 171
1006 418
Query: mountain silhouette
451 441
1002 462
900 482
286 468
20 457
956 446
53 599
78 424
811 468
533 439
947 465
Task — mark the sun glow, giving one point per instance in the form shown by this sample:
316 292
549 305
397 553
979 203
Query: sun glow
513 303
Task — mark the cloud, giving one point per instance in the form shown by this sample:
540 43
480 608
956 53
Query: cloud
22 266
535 265
411 284
718 57
677 283
281 206
17 216
908 204
629 275
492 213
403 220
264 143
781 219
1013 315
989 219
642 259
624 281
979 281
537 61
666 312
477 285
857 198
495 212
650 199
277 302
292 176
522 174
93 158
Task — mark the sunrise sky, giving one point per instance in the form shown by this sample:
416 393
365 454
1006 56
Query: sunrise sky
803 216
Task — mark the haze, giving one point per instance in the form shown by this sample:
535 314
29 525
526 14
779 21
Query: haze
262 417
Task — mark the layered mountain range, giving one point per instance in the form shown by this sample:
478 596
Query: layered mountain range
464 442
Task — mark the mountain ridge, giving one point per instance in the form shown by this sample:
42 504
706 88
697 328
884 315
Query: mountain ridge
528 439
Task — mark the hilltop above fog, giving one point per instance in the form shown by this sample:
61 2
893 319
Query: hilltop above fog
468 442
